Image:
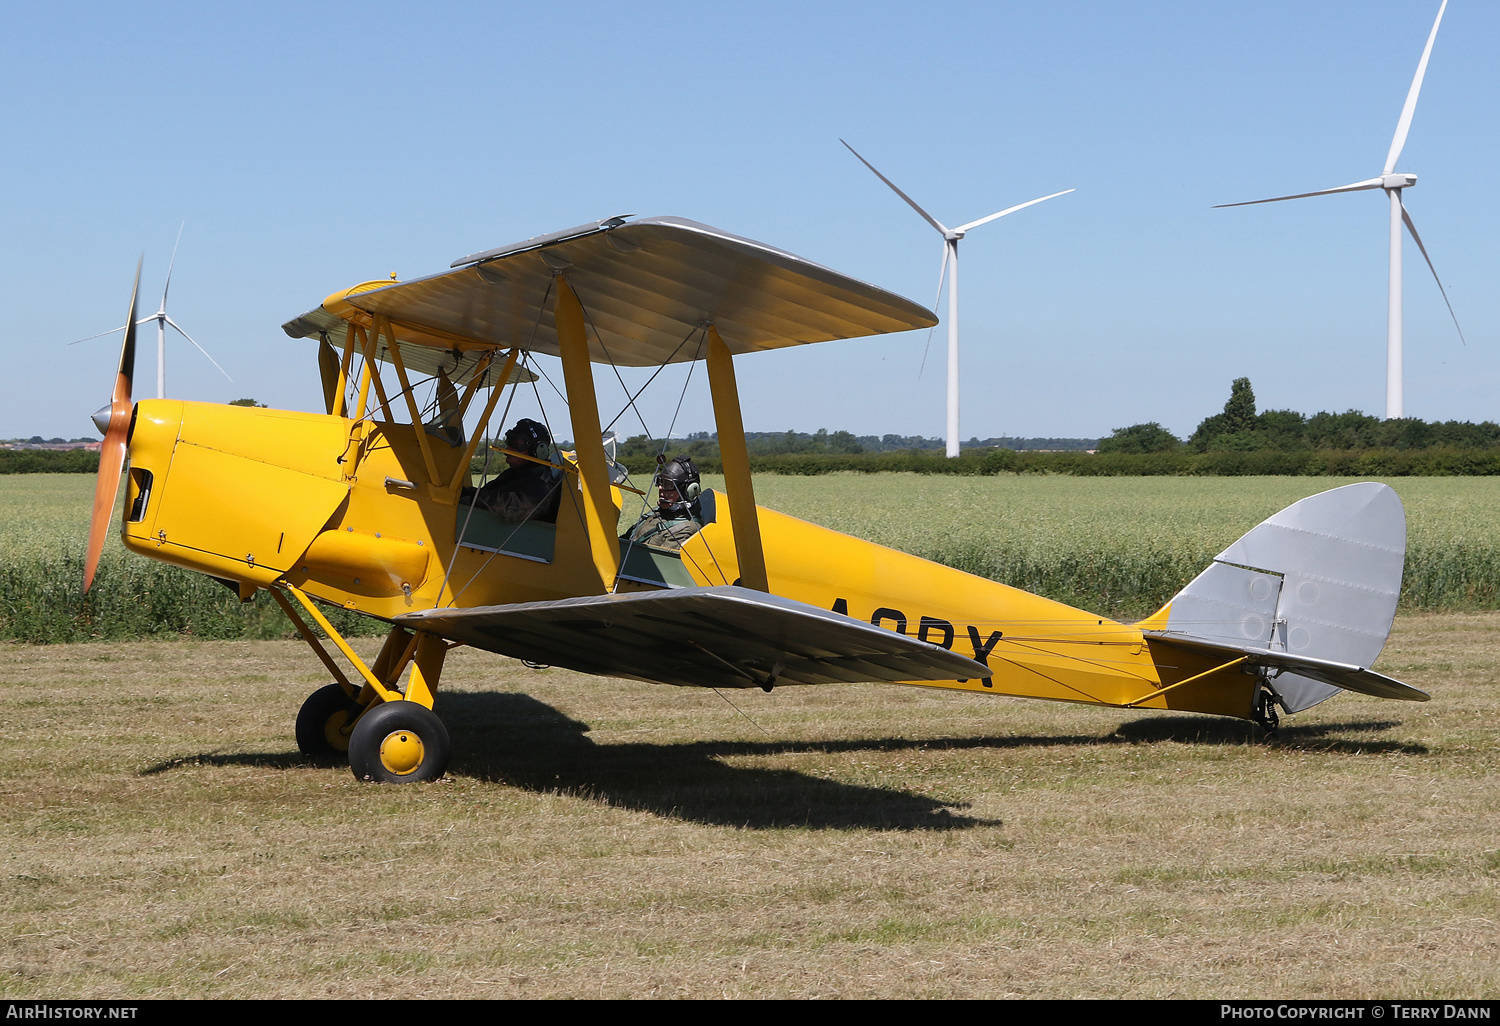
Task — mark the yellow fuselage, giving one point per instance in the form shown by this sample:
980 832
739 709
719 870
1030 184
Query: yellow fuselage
333 506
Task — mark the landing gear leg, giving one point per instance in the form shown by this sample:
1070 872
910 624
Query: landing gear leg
395 737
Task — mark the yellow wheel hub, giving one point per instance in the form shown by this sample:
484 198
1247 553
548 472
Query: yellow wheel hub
401 752
336 731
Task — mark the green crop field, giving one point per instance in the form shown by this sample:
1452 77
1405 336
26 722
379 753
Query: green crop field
1119 546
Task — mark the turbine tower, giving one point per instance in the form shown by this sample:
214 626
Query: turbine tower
951 236
1393 183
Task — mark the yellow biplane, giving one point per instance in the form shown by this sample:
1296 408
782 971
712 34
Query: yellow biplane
366 507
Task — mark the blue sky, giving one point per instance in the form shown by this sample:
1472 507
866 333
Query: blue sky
310 146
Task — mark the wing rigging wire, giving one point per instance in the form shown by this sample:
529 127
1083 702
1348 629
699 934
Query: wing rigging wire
484 473
535 509
660 447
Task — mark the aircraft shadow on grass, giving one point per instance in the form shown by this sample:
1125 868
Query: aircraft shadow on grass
1318 737
517 740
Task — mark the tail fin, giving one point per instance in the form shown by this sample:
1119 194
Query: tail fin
1309 596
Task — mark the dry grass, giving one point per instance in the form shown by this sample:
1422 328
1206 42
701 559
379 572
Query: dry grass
604 838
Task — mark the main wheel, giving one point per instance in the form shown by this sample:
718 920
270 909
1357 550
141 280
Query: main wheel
399 743
323 723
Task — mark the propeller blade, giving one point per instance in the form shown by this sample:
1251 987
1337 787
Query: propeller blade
171 265
1011 210
910 202
1418 240
198 347
125 377
1368 183
1398 142
112 450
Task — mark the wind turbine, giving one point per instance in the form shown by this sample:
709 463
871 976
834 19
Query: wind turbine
162 320
950 260
1392 182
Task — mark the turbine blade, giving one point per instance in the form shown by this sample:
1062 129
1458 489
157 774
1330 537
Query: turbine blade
196 346
1398 142
1418 240
174 264
101 334
911 202
1368 183
942 276
1011 210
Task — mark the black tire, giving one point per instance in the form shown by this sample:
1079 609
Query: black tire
318 722
399 743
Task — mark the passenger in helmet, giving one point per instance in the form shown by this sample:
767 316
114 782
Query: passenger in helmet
526 490
677 516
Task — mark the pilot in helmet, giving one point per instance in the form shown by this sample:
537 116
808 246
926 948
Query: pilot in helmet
677 516
526 490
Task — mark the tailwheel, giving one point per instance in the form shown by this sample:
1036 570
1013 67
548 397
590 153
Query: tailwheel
1264 712
399 743
324 723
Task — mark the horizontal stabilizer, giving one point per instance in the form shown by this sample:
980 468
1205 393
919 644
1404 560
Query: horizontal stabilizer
722 637
1317 582
1339 675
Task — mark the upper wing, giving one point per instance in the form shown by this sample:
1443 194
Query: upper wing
421 352
646 286
724 637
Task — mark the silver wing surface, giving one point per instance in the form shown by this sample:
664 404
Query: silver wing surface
722 637
647 288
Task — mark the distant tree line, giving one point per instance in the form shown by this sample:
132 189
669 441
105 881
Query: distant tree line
704 445
1237 441
1239 428
48 461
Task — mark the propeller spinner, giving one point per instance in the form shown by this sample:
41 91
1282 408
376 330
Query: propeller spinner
114 421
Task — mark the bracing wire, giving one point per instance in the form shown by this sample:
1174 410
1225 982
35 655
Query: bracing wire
692 365
742 712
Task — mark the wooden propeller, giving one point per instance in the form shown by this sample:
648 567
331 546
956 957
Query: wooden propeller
116 435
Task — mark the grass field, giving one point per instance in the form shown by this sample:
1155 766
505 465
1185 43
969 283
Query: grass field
609 839
1120 546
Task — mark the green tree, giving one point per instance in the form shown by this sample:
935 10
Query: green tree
844 442
1235 427
1282 430
1349 430
1149 437
1239 411
247 402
